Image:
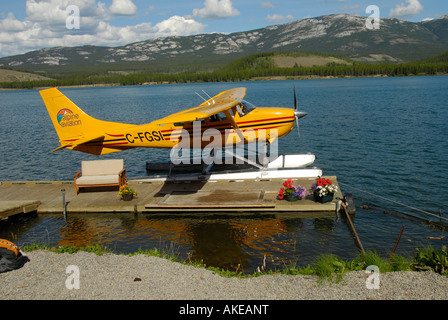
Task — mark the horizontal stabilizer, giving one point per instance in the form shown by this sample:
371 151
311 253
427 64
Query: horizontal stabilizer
61 147
78 142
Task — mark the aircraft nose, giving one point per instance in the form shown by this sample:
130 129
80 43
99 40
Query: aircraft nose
299 114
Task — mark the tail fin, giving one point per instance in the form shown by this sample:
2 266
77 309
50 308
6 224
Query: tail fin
68 119
76 129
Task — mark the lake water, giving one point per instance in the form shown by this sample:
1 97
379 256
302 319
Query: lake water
382 137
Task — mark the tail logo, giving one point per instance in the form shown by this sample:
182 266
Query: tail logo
66 118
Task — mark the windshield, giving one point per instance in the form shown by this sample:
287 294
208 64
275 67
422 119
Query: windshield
244 107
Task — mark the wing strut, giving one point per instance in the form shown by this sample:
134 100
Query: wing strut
235 126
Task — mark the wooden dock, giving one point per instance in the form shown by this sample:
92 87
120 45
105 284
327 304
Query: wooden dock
237 196
13 207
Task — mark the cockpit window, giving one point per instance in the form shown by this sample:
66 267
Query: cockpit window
218 117
244 107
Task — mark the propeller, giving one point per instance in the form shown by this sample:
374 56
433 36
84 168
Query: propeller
297 114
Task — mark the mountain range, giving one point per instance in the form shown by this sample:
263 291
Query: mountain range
340 34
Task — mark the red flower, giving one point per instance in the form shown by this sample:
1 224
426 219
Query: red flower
288 183
323 182
281 194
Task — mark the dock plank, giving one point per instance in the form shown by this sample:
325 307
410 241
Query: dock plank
12 207
160 196
215 197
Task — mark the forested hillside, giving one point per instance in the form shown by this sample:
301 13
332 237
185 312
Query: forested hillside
258 67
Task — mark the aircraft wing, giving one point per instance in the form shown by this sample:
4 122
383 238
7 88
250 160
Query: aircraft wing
219 103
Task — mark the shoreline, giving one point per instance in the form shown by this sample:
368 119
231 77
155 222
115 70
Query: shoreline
267 78
143 277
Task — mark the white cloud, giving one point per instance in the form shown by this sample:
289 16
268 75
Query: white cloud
123 8
276 18
402 10
45 26
52 14
267 5
216 9
47 12
10 23
179 26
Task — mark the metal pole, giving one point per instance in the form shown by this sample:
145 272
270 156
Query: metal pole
353 227
396 243
64 207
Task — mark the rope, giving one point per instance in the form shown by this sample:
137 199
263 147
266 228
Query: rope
396 202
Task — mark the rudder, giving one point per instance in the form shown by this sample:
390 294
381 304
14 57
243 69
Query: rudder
68 119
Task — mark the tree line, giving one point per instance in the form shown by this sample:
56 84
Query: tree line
245 73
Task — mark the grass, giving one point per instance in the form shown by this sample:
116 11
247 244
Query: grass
97 249
325 266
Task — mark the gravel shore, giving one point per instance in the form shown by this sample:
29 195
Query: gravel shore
119 277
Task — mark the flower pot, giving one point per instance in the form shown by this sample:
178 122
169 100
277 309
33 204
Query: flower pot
127 197
327 198
291 198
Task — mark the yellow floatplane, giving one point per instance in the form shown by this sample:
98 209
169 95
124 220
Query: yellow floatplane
222 121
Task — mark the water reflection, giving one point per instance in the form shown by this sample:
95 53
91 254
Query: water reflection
228 241
235 242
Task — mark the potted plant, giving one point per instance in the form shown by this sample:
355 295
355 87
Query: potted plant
323 190
291 192
127 193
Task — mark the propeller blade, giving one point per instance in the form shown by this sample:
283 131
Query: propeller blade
295 98
295 110
297 114
297 121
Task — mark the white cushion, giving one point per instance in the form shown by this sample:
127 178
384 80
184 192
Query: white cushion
93 180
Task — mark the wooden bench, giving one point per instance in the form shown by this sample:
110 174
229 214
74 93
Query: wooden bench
100 173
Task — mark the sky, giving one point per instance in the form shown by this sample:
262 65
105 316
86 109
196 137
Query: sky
27 25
